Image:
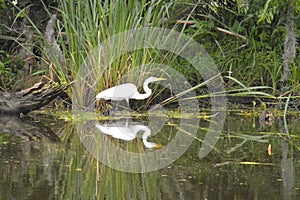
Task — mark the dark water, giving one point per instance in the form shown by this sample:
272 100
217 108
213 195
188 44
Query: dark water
44 157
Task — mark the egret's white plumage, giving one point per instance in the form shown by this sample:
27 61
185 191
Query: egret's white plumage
127 91
129 133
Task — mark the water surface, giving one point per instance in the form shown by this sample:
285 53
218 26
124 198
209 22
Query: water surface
44 157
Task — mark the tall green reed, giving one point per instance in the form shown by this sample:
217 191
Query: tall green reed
86 24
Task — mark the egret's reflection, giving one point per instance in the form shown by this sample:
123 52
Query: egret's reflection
128 131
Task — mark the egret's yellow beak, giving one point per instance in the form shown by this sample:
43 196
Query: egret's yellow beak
158 146
160 79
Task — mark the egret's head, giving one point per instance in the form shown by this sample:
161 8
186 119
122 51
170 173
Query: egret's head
151 145
154 79
157 146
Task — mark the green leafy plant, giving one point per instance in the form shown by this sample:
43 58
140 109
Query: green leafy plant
6 72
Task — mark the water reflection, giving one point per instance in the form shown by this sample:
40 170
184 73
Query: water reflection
27 128
287 170
28 153
127 130
41 169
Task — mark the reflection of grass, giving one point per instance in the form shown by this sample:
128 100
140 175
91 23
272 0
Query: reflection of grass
84 177
247 138
76 174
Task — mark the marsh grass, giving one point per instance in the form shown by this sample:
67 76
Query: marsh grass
82 26
86 24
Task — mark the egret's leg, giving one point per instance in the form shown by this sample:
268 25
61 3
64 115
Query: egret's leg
113 108
127 122
117 105
123 105
127 100
106 112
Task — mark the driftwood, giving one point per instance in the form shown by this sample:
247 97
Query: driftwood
30 99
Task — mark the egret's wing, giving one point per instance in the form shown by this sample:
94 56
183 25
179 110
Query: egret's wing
123 132
120 92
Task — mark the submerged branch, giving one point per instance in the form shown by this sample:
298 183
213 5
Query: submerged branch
27 129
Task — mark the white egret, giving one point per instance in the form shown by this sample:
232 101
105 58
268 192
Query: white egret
129 133
127 91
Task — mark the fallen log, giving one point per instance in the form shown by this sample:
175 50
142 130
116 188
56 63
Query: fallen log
31 98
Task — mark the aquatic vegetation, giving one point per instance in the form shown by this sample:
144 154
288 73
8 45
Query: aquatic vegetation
248 159
230 40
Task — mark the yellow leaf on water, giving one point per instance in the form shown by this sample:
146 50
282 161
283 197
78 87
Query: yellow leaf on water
254 163
270 150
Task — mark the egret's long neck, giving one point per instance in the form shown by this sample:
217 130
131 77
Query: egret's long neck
146 94
146 134
146 129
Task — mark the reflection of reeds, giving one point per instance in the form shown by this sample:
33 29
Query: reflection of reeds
113 184
83 176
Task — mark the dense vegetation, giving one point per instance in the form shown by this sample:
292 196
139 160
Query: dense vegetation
252 42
